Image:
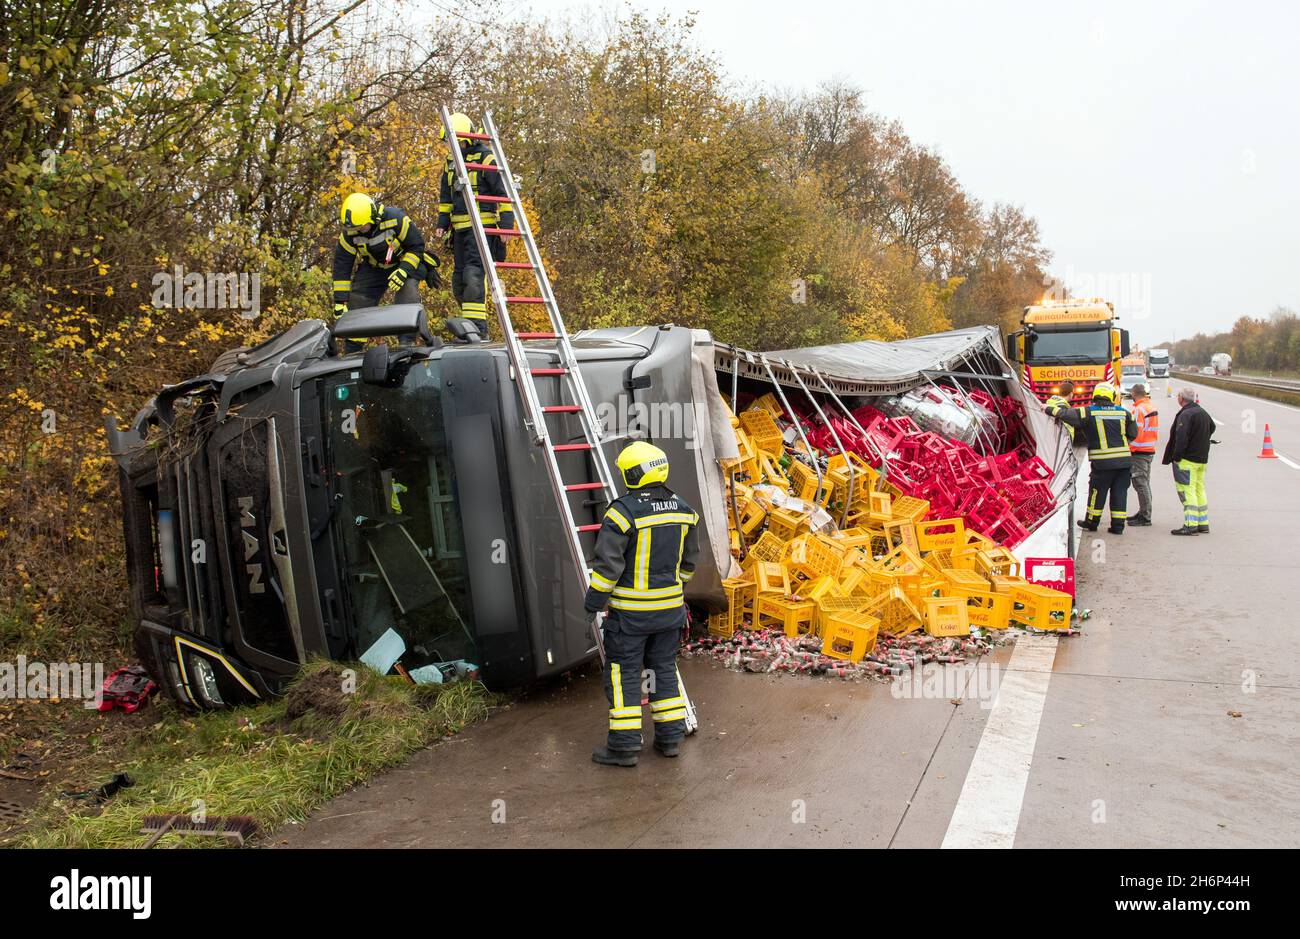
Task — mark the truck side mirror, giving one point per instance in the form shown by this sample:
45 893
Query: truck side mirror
1123 342
386 367
1009 344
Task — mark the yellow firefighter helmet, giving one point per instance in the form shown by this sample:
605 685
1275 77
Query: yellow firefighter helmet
642 464
1104 390
358 212
460 123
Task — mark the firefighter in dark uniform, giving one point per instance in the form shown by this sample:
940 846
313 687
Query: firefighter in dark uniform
453 217
391 253
1107 428
647 547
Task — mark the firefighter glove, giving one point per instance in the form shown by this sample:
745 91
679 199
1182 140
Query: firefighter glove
397 279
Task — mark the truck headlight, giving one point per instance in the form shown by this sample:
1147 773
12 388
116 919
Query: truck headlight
204 681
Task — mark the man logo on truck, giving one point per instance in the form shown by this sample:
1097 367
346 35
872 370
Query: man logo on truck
251 545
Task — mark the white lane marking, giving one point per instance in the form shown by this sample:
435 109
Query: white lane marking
988 810
1288 461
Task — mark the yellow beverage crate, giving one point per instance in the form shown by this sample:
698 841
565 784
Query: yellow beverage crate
988 610
795 617
721 626
767 402
769 578
752 515
880 507
803 483
1005 583
849 636
787 523
814 556
819 588
901 533
768 547
910 508
996 562
762 430
1039 607
963 582
739 591
827 606
946 616
940 534
770 467
897 614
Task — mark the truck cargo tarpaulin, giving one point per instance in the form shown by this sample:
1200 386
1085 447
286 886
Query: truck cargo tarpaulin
847 376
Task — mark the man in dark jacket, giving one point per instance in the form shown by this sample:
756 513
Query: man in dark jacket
1188 450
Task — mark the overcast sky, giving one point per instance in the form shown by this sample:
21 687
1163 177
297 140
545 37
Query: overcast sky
1157 144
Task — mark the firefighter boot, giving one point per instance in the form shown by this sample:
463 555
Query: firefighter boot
607 757
1185 530
666 748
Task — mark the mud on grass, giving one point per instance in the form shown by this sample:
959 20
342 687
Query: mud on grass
261 761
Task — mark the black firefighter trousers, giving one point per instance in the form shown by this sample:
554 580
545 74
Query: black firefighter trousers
627 657
1109 481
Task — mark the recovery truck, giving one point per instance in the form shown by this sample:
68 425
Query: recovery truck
1074 339
1221 362
294 502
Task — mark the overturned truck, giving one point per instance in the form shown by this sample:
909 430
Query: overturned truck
301 501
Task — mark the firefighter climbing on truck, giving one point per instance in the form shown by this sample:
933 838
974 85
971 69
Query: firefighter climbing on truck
387 252
1107 428
646 549
454 218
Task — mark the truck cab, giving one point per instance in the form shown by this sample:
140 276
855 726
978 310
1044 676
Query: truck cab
298 502
1068 339
1158 363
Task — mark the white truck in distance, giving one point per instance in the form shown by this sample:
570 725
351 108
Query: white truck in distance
1222 363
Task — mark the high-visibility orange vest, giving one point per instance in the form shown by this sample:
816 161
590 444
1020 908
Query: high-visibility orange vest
1148 421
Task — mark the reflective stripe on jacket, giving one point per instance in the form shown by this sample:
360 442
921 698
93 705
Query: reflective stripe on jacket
646 549
451 201
1148 425
1107 428
394 242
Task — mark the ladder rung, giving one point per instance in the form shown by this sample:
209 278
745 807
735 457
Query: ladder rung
503 232
561 409
566 447
595 527
485 167
549 371
468 136
537 335
514 265
492 198
580 487
525 299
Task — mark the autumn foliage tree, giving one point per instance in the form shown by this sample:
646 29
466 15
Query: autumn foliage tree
220 136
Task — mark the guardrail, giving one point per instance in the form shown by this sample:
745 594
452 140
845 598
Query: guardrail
1282 390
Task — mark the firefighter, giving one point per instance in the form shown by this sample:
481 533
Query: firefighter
646 549
391 253
453 217
1143 448
1188 450
1061 399
1107 428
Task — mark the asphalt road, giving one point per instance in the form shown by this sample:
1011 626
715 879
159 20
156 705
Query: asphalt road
1125 736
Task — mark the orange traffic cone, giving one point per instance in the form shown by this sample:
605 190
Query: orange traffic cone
1267 453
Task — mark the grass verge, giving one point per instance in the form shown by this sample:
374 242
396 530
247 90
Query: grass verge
274 762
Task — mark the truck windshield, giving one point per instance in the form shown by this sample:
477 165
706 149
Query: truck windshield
1091 345
397 515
